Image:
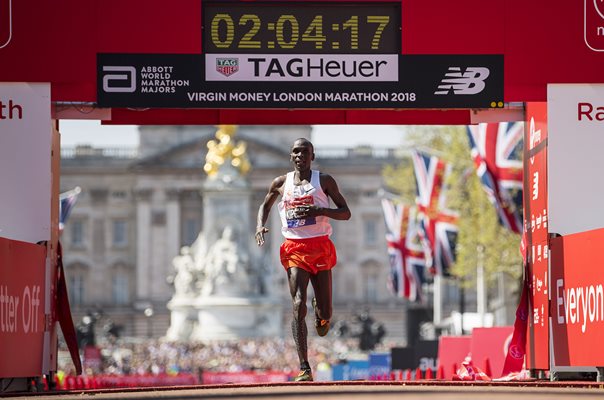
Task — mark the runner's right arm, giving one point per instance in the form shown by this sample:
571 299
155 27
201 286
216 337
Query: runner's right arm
274 191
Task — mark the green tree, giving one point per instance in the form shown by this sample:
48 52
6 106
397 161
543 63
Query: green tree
481 238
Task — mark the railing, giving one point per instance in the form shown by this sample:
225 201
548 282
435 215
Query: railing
99 152
322 152
360 152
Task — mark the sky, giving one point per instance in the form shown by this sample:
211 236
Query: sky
79 132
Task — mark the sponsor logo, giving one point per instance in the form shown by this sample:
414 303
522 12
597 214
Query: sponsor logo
515 352
119 79
303 67
6 22
227 66
470 81
535 137
593 24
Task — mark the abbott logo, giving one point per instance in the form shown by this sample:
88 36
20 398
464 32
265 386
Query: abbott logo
471 81
6 22
122 80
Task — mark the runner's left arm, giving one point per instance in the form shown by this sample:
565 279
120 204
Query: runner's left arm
330 187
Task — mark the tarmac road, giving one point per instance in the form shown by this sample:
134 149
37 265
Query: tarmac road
356 390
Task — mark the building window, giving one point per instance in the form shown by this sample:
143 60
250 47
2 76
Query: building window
77 233
371 288
370 232
120 233
119 194
120 288
191 231
76 288
370 277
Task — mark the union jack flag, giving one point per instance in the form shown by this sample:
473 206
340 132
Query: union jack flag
407 264
497 151
438 225
66 202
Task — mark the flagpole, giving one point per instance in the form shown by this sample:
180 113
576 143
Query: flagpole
437 300
481 293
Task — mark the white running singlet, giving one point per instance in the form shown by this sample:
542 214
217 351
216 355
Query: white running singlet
295 195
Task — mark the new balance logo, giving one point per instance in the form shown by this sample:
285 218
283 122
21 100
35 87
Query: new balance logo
469 82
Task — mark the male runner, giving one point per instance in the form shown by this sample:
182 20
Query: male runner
307 253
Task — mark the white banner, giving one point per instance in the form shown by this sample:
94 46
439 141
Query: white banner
575 114
25 167
302 67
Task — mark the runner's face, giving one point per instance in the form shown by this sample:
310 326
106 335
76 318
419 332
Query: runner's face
302 156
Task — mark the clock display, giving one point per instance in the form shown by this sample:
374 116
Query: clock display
303 28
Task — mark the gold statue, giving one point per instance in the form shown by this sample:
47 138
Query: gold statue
225 150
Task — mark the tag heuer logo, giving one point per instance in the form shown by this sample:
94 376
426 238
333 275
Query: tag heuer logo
227 66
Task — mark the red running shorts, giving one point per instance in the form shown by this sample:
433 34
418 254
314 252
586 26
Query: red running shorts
312 255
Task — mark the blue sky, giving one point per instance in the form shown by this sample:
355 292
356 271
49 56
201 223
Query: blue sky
74 132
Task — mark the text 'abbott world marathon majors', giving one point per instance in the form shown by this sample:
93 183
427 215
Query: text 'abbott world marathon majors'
299 81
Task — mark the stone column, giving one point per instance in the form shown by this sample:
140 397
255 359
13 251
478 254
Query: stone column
98 198
172 224
98 282
143 237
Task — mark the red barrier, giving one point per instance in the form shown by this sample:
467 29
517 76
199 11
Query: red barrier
487 368
105 381
121 381
22 290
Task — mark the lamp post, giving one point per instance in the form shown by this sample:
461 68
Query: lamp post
149 313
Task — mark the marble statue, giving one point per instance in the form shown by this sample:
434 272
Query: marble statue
184 267
225 270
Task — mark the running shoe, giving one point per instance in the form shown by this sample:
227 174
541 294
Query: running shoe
305 375
322 325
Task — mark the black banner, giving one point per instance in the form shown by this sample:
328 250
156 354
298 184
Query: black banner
299 81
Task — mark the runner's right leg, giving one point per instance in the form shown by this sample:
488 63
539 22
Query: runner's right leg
298 283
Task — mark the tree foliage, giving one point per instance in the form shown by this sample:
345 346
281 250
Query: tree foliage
481 238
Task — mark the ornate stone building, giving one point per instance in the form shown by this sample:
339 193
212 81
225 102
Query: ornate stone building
138 207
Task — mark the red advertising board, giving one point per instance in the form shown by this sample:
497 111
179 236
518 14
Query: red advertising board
22 294
491 344
452 350
536 222
577 299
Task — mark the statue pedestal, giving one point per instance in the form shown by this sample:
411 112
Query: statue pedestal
230 318
183 318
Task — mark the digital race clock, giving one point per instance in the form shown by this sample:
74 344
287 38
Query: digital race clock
302 28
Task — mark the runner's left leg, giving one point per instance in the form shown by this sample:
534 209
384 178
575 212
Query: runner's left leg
321 283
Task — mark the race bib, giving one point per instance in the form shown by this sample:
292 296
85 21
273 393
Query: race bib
290 212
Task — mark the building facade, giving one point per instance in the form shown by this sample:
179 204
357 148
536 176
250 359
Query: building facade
138 207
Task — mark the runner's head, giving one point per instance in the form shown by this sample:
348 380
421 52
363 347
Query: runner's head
302 154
